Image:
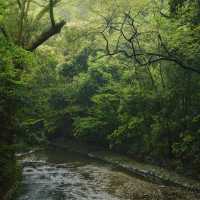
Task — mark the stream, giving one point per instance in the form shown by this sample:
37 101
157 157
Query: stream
57 174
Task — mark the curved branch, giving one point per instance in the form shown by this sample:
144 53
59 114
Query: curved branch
44 36
139 55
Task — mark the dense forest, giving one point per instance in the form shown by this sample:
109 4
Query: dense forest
120 74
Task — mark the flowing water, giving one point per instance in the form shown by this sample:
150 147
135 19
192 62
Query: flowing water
62 175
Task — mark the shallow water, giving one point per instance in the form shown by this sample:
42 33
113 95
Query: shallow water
62 175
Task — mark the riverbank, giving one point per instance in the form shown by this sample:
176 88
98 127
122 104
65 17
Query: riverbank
62 173
148 172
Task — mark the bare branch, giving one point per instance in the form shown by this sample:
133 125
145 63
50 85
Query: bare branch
139 55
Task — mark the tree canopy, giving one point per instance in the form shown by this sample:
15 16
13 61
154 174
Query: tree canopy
124 75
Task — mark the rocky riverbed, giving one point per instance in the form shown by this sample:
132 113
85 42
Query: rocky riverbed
58 174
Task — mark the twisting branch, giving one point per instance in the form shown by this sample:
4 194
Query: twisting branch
139 55
116 50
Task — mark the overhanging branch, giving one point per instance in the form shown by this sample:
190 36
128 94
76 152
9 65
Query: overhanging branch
139 55
44 36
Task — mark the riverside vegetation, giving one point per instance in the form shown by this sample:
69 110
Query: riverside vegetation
123 75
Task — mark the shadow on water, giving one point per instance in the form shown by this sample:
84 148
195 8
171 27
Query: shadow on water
57 174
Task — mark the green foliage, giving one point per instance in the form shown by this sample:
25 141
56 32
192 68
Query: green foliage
69 87
148 113
12 60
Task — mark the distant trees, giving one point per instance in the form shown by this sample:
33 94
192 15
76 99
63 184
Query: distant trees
130 83
128 99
